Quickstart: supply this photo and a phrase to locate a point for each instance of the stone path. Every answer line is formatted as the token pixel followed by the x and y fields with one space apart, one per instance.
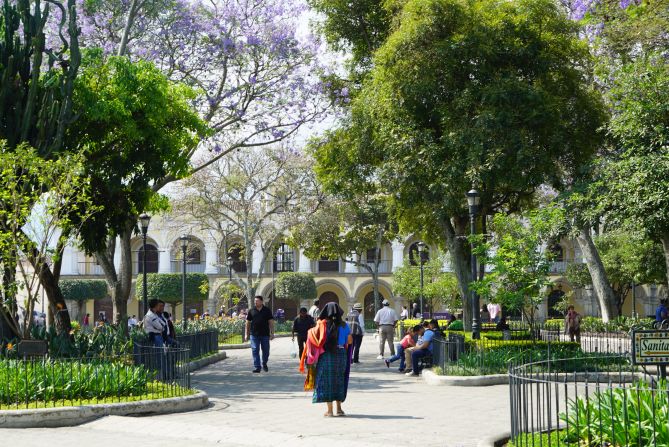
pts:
pixel 270 409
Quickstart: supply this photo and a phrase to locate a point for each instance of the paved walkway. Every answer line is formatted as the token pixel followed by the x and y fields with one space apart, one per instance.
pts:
pixel 270 409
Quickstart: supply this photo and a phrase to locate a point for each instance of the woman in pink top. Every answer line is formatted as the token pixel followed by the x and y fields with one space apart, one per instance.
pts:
pixel 406 342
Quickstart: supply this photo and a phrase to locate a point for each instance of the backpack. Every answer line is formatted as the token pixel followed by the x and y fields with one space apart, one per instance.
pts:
pixel 354 323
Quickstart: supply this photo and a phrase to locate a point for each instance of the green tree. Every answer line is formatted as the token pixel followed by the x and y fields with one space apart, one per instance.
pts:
pixel 439 288
pixel 38 197
pixel 636 177
pixel 36 104
pixel 518 259
pixel 168 287
pixel 82 290
pixel 494 94
pixel 136 128
pixel 296 286
pixel 349 229
pixel 628 258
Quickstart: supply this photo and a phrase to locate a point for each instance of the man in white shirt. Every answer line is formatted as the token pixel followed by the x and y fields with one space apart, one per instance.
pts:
pixel 155 325
pixel 404 314
pixel 315 311
pixel 386 319
pixel 495 311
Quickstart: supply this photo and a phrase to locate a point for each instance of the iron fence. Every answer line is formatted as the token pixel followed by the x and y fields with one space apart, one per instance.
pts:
pixel 200 343
pixel 596 401
pixel 456 354
pixel 147 373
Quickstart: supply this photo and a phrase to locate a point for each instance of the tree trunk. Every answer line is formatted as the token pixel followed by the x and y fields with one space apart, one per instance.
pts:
pixel 600 282
pixel 665 246
pixel 130 20
pixel 57 303
pixel 456 243
pixel 120 282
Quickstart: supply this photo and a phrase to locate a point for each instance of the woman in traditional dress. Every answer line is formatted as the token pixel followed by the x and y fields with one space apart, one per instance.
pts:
pixel 333 365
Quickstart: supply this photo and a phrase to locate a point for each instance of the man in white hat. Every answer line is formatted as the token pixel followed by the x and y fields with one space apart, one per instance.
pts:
pixel 386 319
pixel 357 325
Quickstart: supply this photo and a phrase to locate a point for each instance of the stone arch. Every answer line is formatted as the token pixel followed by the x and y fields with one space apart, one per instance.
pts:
pixel 330 287
pixel 195 255
pixel 152 258
pixel 364 295
pixel 229 304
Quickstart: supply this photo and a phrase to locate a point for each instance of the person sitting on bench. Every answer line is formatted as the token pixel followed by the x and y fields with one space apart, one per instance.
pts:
pixel 423 348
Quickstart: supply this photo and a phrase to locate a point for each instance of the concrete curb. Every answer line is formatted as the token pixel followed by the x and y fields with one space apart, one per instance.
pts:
pixel 436 380
pixel 70 416
pixel 206 361
pixel 494 441
pixel 241 346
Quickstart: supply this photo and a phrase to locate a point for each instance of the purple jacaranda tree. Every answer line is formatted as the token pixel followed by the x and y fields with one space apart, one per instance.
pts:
pixel 257 76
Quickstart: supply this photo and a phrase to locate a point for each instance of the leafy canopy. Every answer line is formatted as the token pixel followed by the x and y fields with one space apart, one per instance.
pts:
pixel 136 128
pixel 297 286
pixel 83 289
pixel 167 287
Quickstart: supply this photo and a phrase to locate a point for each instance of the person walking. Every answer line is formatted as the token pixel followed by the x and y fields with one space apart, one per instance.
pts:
pixel 314 310
pixel 301 326
pixel 333 336
pixel 572 324
pixel 357 325
pixel 260 330
pixel 386 319
pixel 415 312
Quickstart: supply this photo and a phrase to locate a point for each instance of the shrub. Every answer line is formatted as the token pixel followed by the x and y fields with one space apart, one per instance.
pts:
pixel 45 381
pixel 167 287
pixel 595 324
pixel 296 286
pixel 83 289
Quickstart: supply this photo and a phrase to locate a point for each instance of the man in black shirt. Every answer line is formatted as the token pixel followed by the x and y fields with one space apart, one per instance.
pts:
pixel 260 330
pixel 301 325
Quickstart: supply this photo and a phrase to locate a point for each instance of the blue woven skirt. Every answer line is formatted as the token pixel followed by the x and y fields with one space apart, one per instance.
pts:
pixel 331 377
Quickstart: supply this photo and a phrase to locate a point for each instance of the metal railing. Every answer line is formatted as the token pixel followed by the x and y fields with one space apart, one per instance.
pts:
pixel 89 268
pixel 385 266
pixel 48 382
pixel 596 401
pixel 177 267
pixel 456 354
pixel 333 266
pixel 199 343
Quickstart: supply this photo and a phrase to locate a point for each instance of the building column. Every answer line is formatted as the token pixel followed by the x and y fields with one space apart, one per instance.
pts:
pixel 398 254
pixel 350 267
pixel 210 258
pixel 257 257
pixel 69 264
pixel 164 261
pixel 304 263
pixel 117 256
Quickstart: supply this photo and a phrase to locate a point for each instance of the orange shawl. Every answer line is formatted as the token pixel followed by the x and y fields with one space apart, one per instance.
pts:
pixel 315 342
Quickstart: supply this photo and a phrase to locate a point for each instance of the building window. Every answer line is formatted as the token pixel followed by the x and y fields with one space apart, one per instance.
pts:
pixel 558 252
pixel 193 255
pixel 284 259
pixel 328 265
pixel 151 259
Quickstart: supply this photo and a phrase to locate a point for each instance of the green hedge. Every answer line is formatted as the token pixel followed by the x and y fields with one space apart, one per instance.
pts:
pixel 83 289
pixel 167 287
pixel 595 324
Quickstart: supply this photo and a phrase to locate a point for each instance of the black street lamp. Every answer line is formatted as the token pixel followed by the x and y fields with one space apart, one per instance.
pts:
pixel 230 263
pixel 422 255
pixel 184 240
pixel 474 201
pixel 144 220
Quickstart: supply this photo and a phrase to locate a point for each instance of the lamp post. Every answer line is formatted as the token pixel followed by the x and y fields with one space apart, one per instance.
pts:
pixel 421 255
pixel 144 220
pixel 230 261
pixel 183 240
pixel 634 314
pixel 474 200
